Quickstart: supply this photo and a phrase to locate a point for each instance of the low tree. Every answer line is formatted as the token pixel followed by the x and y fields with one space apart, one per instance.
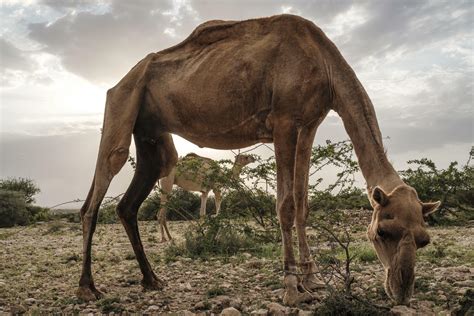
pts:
pixel 13 209
pixel 24 185
pixel 453 186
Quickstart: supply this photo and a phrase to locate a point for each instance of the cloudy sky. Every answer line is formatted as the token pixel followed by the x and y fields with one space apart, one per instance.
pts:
pixel 58 58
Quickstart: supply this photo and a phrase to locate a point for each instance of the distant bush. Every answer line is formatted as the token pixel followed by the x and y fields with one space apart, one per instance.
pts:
pixel 38 213
pixel 26 186
pixel 149 208
pixel 13 209
pixel 349 198
pixel 453 186
pixel 183 205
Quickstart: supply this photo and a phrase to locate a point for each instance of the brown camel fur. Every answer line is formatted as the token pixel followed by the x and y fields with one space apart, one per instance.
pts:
pixel 232 84
pixel 198 174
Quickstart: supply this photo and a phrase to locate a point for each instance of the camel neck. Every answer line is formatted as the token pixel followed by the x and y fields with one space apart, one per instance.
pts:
pixel 355 108
pixel 236 169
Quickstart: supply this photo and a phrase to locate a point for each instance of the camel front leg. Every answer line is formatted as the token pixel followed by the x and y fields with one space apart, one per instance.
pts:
pixel 166 185
pixel 285 149
pixel 303 155
pixel 87 290
pixel 218 200
pixel 202 211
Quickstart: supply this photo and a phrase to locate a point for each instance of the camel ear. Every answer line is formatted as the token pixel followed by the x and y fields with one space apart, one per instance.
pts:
pixel 430 207
pixel 379 196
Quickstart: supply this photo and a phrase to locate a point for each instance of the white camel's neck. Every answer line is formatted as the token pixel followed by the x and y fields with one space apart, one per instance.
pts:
pixel 236 170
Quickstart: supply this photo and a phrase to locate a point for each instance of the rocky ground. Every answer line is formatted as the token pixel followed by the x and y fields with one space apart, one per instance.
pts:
pixel 40 267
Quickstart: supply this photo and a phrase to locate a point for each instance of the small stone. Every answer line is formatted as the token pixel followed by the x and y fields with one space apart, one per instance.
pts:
pixel 304 313
pixel 402 310
pixel 186 313
pixel 200 305
pixel 17 309
pixel 152 308
pixel 30 301
pixel 222 301
pixel 275 309
pixel 230 311
pixel 236 303
pixel 259 312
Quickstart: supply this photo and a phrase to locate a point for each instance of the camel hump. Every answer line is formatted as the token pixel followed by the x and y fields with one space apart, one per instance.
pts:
pixel 192 155
pixel 216 30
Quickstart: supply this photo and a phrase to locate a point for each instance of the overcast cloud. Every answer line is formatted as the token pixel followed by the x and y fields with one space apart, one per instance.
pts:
pixel 415 58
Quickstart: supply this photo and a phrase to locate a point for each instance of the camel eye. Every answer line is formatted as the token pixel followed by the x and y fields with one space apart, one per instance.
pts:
pixel 382 233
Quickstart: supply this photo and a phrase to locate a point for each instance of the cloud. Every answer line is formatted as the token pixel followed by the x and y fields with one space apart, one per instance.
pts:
pixel 103 47
pixel 12 58
pixel 399 27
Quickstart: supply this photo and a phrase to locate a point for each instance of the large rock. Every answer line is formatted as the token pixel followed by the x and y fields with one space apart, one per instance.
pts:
pixel 230 311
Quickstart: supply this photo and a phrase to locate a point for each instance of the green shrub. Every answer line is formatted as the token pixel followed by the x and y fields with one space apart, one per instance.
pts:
pixel 13 209
pixel 149 208
pixel 350 198
pixel 364 253
pixel 215 291
pixel 337 303
pixel 216 236
pixel 183 205
pixel 108 214
pixel 38 213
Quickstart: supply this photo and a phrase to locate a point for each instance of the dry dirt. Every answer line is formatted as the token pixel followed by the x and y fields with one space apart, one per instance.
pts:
pixel 40 267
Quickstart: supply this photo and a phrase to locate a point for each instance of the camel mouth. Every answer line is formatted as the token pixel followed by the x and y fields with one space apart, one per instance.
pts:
pixel 398 287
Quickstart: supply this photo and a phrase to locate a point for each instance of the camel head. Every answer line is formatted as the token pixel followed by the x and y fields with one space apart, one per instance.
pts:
pixel 397 230
pixel 243 159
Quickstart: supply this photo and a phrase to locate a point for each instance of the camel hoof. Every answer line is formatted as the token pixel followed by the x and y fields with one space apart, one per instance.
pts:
pixel 291 298
pixel 88 293
pixel 154 285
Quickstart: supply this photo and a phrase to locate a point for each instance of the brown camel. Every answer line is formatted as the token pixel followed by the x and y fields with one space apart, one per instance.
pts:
pixel 232 84
pixel 198 174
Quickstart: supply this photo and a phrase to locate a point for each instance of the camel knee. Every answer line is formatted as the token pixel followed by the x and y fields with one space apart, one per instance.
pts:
pixel 126 212
pixel 286 212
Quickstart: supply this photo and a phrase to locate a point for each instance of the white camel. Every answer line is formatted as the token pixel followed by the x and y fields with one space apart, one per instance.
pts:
pixel 197 174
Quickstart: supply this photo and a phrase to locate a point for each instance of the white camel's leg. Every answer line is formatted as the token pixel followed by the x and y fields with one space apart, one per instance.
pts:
pixel 285 138
pixel 166 185
pixel 303 156
pixel 165 225
pixel 202 211
pixel 218 200
pixel 153 159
